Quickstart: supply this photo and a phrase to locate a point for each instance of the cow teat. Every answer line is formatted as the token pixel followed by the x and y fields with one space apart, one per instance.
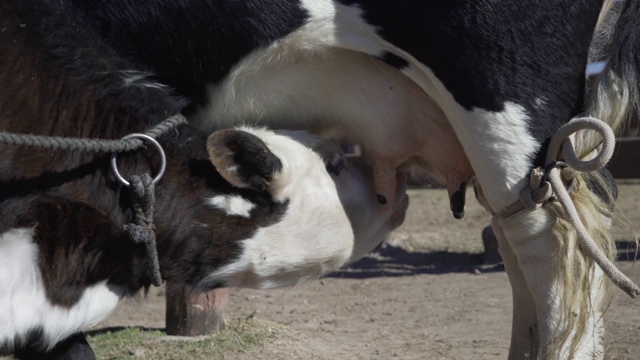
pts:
pixel 457 197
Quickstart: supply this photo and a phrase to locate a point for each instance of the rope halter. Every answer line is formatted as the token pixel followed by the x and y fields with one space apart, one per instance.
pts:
pixel 141 187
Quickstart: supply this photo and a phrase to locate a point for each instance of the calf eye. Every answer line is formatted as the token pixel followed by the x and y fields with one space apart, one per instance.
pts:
pixel 336 165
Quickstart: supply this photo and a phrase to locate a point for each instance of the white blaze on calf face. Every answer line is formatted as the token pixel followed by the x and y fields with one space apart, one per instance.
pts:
pixel 24 306
pixel 232 205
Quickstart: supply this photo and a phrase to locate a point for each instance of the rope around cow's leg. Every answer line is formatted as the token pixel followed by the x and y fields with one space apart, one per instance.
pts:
pixel 537 192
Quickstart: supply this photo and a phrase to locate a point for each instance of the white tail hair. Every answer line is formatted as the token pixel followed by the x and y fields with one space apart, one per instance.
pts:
pixel 614 97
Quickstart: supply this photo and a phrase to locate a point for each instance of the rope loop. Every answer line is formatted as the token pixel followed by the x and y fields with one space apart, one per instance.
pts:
pixel 156 145
pixel 547 185
pixel 561 140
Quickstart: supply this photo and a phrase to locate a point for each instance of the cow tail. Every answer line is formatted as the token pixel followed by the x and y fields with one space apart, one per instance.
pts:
pixel 615 94
pixel 614 97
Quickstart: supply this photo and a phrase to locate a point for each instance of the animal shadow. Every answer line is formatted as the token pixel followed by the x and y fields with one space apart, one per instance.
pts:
pixel 391 261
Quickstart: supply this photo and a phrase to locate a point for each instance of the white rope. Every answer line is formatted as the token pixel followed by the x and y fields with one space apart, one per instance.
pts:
pixel 562 148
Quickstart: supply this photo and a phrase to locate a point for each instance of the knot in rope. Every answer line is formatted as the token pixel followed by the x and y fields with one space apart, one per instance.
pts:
pixel 562 162
pixel 142 230
pixel 538 192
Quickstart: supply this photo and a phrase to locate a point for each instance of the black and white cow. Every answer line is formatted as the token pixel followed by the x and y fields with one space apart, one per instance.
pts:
pixel 462 90
pixel 242 207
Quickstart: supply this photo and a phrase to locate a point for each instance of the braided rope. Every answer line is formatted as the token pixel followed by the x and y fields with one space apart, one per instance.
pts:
pixel 89 145
pixel 142 230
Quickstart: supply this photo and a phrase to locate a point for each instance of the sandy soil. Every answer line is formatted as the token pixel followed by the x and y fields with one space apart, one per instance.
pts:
pixel 421 296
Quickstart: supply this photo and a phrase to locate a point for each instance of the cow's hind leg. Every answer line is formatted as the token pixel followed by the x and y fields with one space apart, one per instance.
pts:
pixel 524 337
pixel 558 293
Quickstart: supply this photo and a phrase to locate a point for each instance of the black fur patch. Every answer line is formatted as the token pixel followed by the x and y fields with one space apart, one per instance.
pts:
pixel 254 163
pixel 490 52
pixel 189 43
pixel 486 53
pixel 75 347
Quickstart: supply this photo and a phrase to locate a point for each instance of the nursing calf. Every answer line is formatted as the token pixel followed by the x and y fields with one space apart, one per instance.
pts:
pixel 240 207
pixel 464 91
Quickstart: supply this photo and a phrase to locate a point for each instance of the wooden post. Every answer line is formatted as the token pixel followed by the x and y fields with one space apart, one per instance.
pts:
pixel 194 314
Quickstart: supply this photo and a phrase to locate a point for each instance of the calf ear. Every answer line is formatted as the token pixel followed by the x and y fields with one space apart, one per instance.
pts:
pixel 242 159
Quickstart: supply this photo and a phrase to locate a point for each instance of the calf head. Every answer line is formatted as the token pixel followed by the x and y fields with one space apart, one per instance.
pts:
pixel 354 182
pixel 319 214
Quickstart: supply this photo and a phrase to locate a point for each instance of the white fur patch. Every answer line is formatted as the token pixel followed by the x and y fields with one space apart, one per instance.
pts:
pixel 24 306
pixel 500 150
pixel 232 205
pixel 497 144
pixel 304 244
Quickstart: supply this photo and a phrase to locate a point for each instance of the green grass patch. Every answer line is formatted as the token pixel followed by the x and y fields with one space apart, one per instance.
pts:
pixel 239 336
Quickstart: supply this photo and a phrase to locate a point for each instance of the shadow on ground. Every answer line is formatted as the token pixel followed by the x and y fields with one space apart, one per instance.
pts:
pixel 390 261
pixel 117 329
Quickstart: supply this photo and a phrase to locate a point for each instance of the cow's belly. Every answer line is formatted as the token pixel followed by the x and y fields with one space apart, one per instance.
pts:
pixel 25 311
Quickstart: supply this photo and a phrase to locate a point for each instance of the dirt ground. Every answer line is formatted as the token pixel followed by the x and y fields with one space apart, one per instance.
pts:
pixel 421 296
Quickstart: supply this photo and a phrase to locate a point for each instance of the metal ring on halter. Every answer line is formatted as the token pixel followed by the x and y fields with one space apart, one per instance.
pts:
pixel 154 142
